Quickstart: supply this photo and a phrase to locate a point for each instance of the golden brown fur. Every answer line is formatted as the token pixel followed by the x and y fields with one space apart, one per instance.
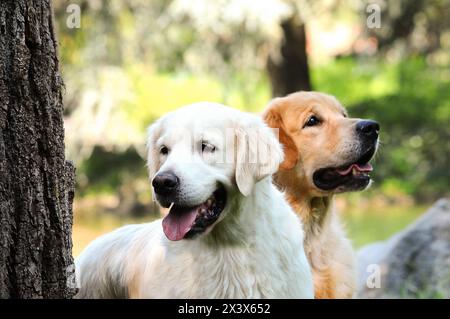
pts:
pixel 329 251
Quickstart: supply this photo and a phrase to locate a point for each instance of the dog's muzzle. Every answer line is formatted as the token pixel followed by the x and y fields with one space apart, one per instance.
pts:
pixel 354 174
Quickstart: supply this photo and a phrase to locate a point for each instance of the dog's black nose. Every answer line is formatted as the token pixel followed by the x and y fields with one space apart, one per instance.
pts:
pixel 165 183
pixel 368 128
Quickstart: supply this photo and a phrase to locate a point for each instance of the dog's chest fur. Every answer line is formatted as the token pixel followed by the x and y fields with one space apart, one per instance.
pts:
pixel 229 272
pixel 255 253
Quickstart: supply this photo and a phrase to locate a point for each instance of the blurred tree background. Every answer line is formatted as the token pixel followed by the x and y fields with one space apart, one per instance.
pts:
pixel 132 61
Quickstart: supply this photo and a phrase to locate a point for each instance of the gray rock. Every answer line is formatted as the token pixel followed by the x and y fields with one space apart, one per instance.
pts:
pixel 414 263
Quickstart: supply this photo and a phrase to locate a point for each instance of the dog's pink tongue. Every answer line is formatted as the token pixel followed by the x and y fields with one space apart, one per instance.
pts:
pixel 362 168
pixel 178 222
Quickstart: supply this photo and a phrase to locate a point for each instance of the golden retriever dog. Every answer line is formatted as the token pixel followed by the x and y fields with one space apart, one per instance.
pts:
pixel 229 232
pixel 326 153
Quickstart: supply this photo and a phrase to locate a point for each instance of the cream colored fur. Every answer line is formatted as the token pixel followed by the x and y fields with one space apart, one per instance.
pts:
pixel 254 250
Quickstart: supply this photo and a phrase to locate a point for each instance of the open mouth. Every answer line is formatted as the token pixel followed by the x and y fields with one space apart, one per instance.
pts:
pixel 348 177
pixel 186 222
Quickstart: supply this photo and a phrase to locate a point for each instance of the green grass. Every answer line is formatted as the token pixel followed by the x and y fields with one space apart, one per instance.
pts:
pixel 372 224
pixel 92 218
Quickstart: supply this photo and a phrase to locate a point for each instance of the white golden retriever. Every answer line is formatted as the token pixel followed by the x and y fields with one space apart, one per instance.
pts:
pixel 229 232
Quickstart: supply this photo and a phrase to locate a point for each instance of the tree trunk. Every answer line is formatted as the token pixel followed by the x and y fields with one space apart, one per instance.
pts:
pixel 288 66
pixel 36 183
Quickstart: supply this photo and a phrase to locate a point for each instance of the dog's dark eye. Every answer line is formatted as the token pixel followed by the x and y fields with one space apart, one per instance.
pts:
pixel 164 150
pixel 206 147
pixel 312 121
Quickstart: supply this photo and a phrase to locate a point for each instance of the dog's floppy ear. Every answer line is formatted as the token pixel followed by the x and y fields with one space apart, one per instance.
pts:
pixel 273 119
pixel 258 154
pixel 153 133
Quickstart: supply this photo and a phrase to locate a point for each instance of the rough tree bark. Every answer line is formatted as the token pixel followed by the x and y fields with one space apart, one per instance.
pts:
pixel 36 182
pixel 288 66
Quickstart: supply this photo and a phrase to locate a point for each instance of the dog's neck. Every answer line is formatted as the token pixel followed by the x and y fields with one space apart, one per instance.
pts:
pixel 243 214
pixel 314 210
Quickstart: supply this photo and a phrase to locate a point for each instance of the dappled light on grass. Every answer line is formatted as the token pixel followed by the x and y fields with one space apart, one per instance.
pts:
pixel 379 224
pixel 96 216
